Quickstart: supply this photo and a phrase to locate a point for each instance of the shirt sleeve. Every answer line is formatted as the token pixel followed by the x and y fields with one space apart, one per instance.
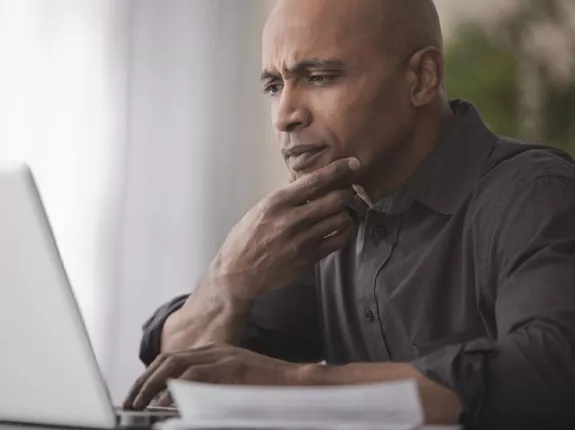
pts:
pixel 152 329
pixel 284 324
pixel 525 376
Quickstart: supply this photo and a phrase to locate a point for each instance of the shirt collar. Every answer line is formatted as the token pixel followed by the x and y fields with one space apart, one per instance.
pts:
pixel 446 177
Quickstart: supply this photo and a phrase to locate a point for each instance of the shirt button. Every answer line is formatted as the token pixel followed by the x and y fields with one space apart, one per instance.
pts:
pixel 378 232
pixel 368 315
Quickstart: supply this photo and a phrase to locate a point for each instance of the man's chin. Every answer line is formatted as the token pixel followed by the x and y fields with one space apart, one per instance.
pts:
pixel 297 174
pixel 306 172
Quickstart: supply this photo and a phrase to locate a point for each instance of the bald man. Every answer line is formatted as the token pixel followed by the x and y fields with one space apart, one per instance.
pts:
pixel 412 242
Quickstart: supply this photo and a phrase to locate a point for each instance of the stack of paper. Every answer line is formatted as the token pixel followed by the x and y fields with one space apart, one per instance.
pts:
pixel 383 406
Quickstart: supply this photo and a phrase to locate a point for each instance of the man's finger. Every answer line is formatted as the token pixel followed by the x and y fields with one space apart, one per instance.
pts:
pixel 324 207
pixel 335 242
pixel 317 234
pixel 339 174
pixel 137 386
pixel 165 399
pixel 171 368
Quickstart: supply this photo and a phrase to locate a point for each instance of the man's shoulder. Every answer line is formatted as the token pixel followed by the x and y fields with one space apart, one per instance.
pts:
pixel 517 174
pixel 511 156
pixel 514 165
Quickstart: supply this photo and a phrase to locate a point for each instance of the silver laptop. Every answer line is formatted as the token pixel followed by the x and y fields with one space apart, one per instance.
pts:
pixel 48 371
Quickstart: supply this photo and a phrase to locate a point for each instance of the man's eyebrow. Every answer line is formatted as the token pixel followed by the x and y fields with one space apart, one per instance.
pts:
pixel 267 75
pixel 300 66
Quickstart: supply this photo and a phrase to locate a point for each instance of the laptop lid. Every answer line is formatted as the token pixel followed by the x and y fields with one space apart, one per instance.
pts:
pixel 48 371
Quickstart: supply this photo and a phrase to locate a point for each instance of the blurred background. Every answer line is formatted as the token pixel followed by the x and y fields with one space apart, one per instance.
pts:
pixel 149 136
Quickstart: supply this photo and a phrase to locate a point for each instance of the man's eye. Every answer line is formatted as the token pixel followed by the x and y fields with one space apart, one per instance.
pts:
pixel 273 89
pixel 320 79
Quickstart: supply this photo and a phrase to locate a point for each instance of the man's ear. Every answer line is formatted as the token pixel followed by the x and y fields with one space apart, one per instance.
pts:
pixel 426 73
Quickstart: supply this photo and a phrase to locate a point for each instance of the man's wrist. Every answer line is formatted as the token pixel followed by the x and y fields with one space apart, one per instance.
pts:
pixel 235 289
pixel 210 315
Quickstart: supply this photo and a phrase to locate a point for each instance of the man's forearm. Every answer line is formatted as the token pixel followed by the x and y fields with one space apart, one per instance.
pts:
pixel 208 316
pixel 441 405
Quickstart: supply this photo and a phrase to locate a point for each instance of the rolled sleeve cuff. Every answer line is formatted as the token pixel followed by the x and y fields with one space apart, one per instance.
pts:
pixel 464 369
pixel 152 329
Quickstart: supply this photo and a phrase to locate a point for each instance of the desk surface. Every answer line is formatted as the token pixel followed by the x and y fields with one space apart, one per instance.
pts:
pixel 8 426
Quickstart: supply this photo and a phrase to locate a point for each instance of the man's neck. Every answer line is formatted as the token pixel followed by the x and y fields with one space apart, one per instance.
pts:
pixel 395 170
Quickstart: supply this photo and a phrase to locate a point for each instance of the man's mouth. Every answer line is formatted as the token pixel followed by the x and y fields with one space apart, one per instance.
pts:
pixel 303 157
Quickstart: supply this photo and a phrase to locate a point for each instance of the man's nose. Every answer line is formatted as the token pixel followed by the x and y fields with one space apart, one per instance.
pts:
pixel 291 112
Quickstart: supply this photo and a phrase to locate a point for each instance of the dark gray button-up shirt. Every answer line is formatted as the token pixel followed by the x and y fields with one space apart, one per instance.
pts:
pixel 468 272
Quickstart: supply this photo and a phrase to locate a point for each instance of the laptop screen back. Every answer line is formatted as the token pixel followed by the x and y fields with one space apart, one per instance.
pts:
pixel 48 372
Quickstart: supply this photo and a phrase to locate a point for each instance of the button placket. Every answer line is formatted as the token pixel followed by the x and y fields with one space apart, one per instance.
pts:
pixel 382 234
pixel 375 252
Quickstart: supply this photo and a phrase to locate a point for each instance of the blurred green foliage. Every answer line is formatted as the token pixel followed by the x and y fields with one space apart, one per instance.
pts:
pixel 483 65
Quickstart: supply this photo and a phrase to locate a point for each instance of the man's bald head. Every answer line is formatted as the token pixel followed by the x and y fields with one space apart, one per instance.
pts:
pixel 398 27
pixel 406 25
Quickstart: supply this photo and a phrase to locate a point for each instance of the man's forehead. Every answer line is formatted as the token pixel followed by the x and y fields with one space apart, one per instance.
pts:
pixel 302 29
pixel 314 12
pixel 289 55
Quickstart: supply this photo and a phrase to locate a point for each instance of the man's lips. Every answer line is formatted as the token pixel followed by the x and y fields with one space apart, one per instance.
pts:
pixel 302 157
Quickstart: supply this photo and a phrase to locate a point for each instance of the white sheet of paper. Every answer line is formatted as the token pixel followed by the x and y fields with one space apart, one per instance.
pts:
pixel 176 424
pixel 391 405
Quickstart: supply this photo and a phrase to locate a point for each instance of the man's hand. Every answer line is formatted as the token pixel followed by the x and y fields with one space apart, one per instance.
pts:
pixel 225 364
pixel 273 245
pixel 287 232
pixel 216 363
